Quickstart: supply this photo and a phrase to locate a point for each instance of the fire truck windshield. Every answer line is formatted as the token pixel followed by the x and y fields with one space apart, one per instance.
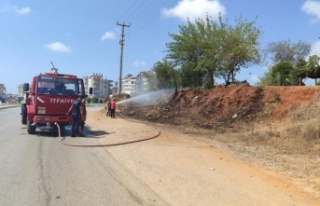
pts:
pixel 59 86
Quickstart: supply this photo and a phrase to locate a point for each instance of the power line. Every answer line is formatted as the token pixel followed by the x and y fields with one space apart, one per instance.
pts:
pixel 139 13
pixel 129 9
pixel 145 15
pixel 149 14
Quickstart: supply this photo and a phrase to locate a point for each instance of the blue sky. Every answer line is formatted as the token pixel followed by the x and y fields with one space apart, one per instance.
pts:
pixel 82 37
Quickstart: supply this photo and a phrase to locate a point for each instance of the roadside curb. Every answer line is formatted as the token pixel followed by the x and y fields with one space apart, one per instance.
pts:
pixel 8 106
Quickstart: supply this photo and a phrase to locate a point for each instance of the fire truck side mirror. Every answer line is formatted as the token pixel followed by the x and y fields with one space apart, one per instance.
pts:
pixel 90 90
pixel 25 87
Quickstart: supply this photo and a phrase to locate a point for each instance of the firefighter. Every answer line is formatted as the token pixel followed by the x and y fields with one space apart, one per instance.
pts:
pixel 60 88
pixel 76 116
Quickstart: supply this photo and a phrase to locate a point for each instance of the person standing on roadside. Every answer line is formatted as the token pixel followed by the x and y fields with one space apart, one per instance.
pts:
pixel 108 108
pixel 113 108
pixel 75 110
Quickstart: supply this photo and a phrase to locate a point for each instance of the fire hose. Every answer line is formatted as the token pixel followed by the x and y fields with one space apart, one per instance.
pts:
pixel 103 145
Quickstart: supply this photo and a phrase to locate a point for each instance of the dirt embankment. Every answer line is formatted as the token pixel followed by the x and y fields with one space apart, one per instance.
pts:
pixel 274 127
pixel 226 106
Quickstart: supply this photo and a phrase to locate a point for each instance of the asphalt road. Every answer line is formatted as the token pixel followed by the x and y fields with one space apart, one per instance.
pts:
pixel 39 170
pixel 172 169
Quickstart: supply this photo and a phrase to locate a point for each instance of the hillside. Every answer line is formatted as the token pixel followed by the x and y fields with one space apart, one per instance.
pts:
pixel 273 127
pixel 227 106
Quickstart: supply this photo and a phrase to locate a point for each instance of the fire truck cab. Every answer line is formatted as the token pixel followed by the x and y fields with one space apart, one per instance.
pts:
pixel 49 98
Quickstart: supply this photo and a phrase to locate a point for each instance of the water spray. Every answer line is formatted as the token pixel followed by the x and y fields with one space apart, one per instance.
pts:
pixel 151 98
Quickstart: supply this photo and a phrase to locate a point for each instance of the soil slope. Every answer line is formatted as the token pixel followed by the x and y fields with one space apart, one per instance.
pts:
pixel 226 106
pixel 273 127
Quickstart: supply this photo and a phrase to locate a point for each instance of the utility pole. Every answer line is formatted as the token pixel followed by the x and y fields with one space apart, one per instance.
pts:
pixel 121 42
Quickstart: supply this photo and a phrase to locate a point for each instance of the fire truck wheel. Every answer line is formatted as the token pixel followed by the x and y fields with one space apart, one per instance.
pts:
pixel 31 128
pixel 23 114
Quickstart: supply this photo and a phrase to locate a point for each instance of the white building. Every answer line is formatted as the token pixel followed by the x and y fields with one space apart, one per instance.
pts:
pixel 128 85
pixel 146 82
pixel 142 83
pixel 101 87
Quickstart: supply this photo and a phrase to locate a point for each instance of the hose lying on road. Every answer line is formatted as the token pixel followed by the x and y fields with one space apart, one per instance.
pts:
pixel 103 145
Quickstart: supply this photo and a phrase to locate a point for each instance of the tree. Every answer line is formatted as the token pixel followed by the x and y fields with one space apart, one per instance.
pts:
pixel 152 81
pixel 279 75
pixel 310 69
pixel 287 73
pixel 166 75
pixel 267 79
pixel 207 49
pixel 282 54
pixel 283 74
pixel 189 77
pixel 300 68
pixel 239 47
pixel 287 51
pixel 312 64
pixel 185 51
pixel 210 37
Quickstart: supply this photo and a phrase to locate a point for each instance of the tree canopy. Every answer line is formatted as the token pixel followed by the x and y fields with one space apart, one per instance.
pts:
pixel 206 49
pixel 287 51
pixel 290 63
pixel 166 75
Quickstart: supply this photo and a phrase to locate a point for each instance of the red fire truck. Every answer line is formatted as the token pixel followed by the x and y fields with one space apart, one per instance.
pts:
pixel 48 99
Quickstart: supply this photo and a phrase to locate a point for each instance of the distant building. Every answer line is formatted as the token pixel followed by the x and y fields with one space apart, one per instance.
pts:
pixel 20 90
pixel 143 83
pixel 129 85
pixel 101 87
pixel 114 89
pixel 2 90
pixel 146 82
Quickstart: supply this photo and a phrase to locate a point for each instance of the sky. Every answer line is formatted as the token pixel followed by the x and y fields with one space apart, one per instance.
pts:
pixel 82 37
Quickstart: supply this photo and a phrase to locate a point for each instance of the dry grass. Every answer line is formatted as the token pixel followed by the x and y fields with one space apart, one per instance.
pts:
pixel 275 127
pixel 291 148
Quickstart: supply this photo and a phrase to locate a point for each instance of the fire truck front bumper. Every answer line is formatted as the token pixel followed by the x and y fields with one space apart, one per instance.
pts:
pixel 50 120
